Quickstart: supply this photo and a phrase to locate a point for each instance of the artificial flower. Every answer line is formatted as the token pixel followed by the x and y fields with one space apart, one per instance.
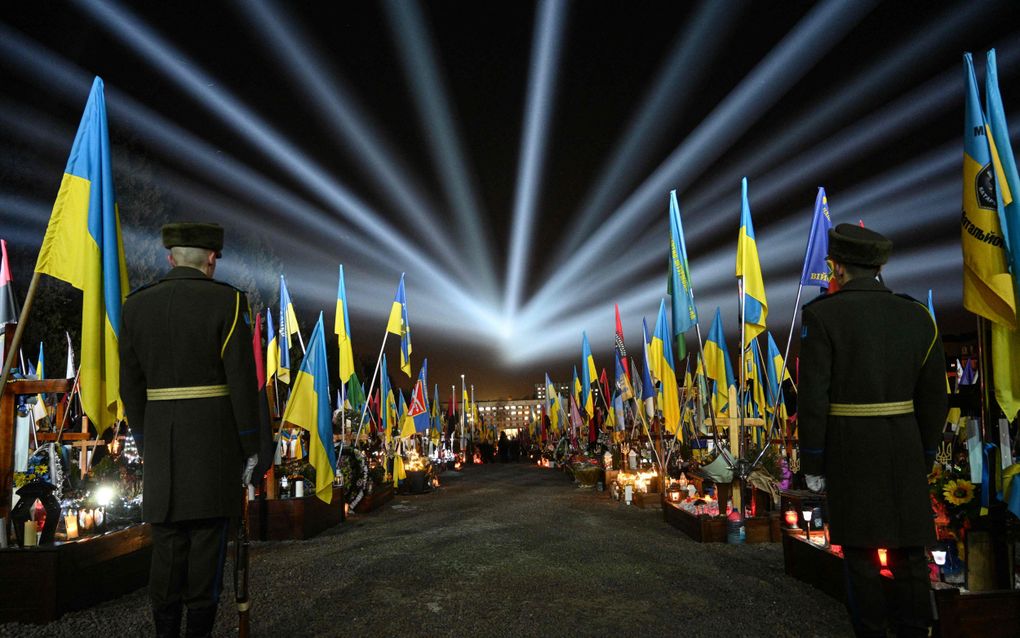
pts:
pixel 959 492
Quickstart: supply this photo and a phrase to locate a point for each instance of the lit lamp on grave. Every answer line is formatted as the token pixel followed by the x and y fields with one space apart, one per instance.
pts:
pixel 939 556
pixel 674 493
pixel 791 518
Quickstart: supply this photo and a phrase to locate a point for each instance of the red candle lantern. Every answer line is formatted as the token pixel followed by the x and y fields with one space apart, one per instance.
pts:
pixel 790 517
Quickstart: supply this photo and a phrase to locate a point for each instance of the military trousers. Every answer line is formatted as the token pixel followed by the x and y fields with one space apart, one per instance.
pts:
pixel 909 608
pixel 187 563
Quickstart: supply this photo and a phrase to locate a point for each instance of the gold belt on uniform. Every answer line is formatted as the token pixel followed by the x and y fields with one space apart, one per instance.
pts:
pixel 893 408
pixel 187 392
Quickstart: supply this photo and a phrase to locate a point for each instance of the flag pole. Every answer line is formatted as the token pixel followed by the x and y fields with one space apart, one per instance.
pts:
pixel 782 373
pixel 371 387
pixel 15 346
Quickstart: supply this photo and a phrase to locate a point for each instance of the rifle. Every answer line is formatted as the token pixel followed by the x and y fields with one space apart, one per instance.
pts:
pixel 241 545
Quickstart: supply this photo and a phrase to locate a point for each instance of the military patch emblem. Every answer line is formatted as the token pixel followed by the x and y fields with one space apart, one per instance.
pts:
pixel 985 188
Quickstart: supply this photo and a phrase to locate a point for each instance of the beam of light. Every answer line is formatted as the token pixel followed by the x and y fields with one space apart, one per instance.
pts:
pixel 897 119
pixel 843 104
pixel 176 67
pixel 545 52
pixel 414 43
pixel 935 98
pixel 37 62
pixel 785 64
pixel 688 62
pixel 326 92
pixel 881 201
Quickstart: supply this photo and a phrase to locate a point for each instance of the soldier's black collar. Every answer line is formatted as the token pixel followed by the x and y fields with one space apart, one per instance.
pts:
pixel 184 272
pixel 864 283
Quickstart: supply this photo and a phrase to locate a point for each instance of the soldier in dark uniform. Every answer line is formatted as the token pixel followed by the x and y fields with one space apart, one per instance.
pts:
pixel 872 405
pixel 189 387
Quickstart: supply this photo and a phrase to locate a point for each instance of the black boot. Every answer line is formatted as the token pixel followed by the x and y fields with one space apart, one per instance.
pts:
pixel 167 620
pixel 200 622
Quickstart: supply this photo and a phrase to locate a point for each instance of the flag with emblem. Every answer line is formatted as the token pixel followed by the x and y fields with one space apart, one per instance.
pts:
pixel 288 327
pixel 419 408
pixel 1005 341
pixel 589 375
pixel 816 271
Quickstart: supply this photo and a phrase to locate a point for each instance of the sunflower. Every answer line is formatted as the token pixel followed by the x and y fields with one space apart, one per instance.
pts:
pixel 959 492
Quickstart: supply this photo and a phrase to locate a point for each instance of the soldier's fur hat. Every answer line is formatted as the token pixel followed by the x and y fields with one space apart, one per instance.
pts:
pixel 852 244
pixel 194 234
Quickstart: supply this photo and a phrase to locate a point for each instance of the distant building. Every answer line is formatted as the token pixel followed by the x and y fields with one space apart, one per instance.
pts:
pixel 563 389
pixel 509 414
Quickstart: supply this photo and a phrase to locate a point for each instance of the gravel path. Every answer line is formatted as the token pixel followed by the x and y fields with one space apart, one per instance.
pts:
pixel 503 550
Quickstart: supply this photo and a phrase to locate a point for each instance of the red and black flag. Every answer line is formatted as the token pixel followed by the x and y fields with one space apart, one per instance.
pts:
pixel 619 342
pixel 8 304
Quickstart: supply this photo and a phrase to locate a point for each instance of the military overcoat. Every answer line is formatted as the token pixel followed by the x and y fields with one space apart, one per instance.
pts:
pixel 863 346
pixel 190 331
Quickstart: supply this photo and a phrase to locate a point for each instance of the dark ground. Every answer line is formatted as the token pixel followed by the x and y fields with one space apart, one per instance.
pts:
pixel 502 550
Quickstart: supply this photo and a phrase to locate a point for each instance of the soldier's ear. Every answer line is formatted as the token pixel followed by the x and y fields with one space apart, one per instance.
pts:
pixel 170 260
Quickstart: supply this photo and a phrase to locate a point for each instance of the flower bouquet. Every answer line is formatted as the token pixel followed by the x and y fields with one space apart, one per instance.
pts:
pixel 954 503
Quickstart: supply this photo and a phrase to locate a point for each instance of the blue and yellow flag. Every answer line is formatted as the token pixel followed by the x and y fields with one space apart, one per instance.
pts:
pixel 576 386
pixel 661 353
pixel 773 369
pixel 342 329
pixel 398 325
pixel 681 293
pixel 756 308
pixel 272 348
pixel 554 404
pixel 816 271
pixel 623 386
pixel 308 409
pixel 718 368
pixel 588 374
pixel 1005 341
pixel 288 326
pixel 988 287
pixel 83 247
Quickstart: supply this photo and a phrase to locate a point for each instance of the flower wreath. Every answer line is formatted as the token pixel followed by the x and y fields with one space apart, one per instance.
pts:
pixel 354 470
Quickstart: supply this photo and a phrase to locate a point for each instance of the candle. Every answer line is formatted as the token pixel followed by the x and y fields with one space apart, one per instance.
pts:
pixel 628 493
pixel 251 492
pixel 299 488
pixel 71 523
pixel 31 535
pixel 85 520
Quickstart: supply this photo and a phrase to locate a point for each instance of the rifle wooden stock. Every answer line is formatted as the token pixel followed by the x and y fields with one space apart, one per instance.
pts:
pixel 241 568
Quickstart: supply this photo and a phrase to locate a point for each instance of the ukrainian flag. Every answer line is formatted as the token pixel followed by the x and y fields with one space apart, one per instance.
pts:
pixel 552 398
pixel 83 247
pixel 661 352
pixel 988 287
pixel 717 365
pixel 309 410
pixel 588 374
pixel 1005 341
pixel 774 368
pixel 576 385
pixel 342 329
pixel 398 325
pixel 681 293
pixel 288 326
pixel 272 348
pixel 756 308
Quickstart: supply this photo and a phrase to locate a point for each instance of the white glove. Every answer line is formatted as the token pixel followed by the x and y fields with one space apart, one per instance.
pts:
pixel 815 482
pixel 249 468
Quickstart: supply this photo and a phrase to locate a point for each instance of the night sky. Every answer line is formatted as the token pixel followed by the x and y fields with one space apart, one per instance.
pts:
pixel 514 159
